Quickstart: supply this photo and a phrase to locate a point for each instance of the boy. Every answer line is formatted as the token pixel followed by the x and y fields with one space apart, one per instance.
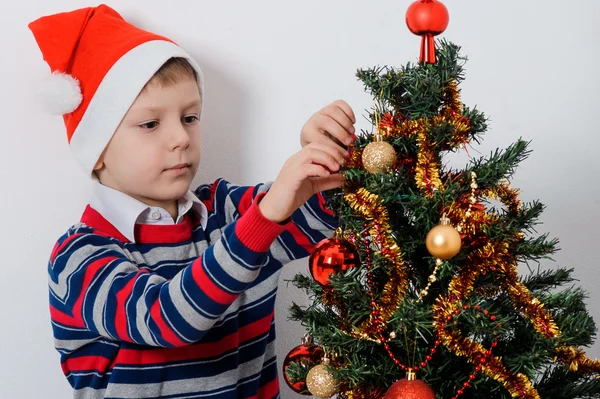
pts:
pixel 160 291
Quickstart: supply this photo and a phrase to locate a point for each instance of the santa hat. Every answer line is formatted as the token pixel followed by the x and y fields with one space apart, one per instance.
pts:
pixel 99 65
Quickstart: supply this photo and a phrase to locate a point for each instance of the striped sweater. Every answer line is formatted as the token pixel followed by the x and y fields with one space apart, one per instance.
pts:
pixel 184 312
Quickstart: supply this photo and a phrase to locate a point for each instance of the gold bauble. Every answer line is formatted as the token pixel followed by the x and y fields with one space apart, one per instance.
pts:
pixel 321 383
pixel 443 241
pixel 378 156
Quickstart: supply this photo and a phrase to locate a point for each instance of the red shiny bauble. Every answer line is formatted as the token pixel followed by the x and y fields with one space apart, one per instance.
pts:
pixel 427 18
pixel 332 255
pixel 409 389
pixel 310 353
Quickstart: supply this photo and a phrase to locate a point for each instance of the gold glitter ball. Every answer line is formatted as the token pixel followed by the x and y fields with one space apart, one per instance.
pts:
pixel 321 383
pixel 378 156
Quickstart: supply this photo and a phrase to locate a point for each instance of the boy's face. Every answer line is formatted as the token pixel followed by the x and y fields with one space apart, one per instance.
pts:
pixel 154 153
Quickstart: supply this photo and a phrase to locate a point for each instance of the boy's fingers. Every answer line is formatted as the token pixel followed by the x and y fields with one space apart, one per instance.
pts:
pixel 327 183
pixel 315 170
pixel 346 108
pixel 321 157
pixel 332 126
pixel 338 153
pixel 340 116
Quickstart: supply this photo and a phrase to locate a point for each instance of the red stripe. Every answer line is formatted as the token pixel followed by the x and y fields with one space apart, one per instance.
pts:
pixel 58 248
pixel 268 391
pixel 300 238
pixel 164 234
pixel 246 200
pixel 209 287
pixel 85 363
pixel 90 273
pixel 76 320
pixel 196 351
pixel 121 323
pixel 253 330
pixel 65 319
pixel 211 199
pixel 256 232
pixel 165 331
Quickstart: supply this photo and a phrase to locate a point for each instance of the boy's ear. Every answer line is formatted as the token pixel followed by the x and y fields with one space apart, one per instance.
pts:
pixel 99 163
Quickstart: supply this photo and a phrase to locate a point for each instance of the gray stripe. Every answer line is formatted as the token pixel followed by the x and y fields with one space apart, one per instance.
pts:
pixel 142 313
pixel 88 393
pixel 229 207
pixel 104 291
pixel 278 250
pixel 176 253
pixel 312 222
pixel 75 263
pixel 233 265
pixel 192 385
pixel 185 309
pixel 74 344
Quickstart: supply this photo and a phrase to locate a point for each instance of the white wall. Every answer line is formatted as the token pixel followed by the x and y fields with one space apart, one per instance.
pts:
pixel 269 65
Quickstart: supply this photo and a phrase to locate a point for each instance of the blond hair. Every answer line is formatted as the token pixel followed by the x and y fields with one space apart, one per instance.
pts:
pixel 173 71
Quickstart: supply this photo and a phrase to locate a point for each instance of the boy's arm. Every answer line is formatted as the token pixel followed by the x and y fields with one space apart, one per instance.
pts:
pixel 312 222
pixel 95 287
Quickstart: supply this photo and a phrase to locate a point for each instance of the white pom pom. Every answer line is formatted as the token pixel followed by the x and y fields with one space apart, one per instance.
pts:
pixel 60 94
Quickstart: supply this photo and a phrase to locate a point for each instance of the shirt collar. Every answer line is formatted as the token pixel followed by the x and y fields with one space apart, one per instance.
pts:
pixel 123 211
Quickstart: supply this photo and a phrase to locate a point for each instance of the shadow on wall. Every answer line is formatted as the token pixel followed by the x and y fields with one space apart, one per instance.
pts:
pixel 222 121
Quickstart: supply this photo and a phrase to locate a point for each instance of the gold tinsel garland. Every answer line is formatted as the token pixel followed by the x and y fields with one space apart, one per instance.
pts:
pixel 488 256
pixel 428 165
pixel 427 173
pixel 576 360
pixel 427 169
pixel 360 392
pixel 496 257
pixel 369 207
pixel 517 384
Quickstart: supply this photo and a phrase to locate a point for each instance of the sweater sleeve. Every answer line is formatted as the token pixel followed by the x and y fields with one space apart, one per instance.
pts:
pixel 95 287
pixel 311 223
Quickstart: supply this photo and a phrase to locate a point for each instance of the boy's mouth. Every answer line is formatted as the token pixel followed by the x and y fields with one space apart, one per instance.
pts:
pixel 178 169
pixel 179 166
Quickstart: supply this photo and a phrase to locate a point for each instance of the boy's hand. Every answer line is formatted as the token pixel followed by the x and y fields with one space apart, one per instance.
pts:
pixel 334 122
pixel 305 173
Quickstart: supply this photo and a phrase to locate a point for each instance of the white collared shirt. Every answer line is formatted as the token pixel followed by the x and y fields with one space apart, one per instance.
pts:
pixel 124 211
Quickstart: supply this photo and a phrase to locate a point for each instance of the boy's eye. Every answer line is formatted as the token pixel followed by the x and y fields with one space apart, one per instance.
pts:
pixel 190 119
pixel 149 125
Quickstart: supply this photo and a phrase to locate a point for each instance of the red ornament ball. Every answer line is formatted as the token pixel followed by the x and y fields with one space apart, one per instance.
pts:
pixel 311 353
pixel 409 389
pixel 427 17
pixel 332 255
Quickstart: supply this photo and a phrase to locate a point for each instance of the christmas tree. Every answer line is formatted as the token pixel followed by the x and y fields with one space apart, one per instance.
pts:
pixel 418 294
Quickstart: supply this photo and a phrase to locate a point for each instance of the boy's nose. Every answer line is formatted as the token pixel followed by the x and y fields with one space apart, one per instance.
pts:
pixel 179 137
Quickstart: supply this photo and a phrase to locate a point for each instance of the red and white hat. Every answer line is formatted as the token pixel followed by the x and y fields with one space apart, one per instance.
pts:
pixel 99 65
